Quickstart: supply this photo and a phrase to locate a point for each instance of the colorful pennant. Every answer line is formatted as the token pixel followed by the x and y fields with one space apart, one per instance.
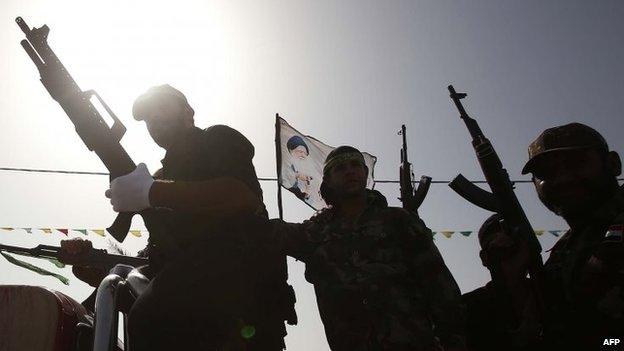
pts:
pixel 555 232
pixel 139 233
pixel 447 233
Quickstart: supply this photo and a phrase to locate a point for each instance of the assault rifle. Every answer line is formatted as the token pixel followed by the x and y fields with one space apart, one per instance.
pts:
pixel 502 199
pixel 89 124
pixel 93 258
pixel 410 198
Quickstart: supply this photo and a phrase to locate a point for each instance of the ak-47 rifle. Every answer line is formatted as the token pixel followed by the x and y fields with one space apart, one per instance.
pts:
pixel 502 199
pixel 89 124
pixel 93 258
pixel 410 198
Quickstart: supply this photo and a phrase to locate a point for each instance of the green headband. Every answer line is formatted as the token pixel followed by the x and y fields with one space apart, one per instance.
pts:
pixel 340 158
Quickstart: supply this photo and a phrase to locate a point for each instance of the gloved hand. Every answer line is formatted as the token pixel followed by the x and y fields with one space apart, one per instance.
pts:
pixel 130 193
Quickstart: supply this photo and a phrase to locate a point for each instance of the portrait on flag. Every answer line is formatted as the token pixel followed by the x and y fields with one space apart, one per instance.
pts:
pixel 301 167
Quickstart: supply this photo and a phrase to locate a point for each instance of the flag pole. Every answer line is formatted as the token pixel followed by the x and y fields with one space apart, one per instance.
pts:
pixel 278 158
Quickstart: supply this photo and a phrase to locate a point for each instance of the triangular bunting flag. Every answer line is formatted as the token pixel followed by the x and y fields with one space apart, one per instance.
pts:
pixel 7 228
pixel 447 233
pixel 554 232
pixel 99 232
pixel 64 231
pixel 539 232
pixel 46 230
pixel 466 233
pixel 28 230
pixel 136 233
pixel 81 231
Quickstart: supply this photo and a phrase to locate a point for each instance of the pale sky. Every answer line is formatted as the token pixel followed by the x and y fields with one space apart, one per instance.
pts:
pixel 346 72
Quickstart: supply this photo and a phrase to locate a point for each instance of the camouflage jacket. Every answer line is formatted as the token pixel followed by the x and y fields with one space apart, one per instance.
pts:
pixel 587 301
pixel 380 282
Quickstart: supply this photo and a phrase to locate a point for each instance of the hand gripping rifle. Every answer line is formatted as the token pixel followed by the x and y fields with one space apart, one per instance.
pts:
pixel 502 199
pixel 93 258
pixel 410 198
pixel 90 125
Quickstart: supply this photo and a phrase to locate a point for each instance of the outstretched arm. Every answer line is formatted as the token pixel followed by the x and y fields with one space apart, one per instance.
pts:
pixel 214 197
pixel 441 290
pixel 218 196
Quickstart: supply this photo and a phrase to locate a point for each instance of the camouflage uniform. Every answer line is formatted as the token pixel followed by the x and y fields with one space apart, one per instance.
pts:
pixel 586 306
pixel 380 283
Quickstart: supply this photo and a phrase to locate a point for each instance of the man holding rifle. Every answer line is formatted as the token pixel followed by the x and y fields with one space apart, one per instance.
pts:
pixel 502 315
pixel 380 282
pixel 222 289
pixel 575 176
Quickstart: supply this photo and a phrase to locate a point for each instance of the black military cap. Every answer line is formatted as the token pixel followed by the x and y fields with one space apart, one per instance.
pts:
pixel 156 92
pixel 573 136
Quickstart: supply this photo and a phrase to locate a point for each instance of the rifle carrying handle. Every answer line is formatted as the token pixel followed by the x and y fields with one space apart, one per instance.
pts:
pixel 117 129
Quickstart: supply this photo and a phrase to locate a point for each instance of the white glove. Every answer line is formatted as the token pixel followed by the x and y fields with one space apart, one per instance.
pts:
pixel 130 193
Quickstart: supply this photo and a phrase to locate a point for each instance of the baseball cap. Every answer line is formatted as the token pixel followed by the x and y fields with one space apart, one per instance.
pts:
pixel 573 136
pixel 159 91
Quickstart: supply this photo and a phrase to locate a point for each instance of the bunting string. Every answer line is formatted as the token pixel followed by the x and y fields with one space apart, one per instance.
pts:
pixel 449 233
pixel 139 233
pixel 65 231
pixel 262 179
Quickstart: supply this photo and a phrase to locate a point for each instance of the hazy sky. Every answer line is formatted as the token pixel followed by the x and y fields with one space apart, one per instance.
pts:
pixel 346 72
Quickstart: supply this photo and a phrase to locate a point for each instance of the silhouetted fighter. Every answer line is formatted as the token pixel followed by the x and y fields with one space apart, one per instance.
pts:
pixel 575 176
pixel 222 288
pixel 380 282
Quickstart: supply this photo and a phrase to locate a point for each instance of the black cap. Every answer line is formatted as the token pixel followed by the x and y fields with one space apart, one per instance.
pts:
pixel 159 91
pixel 573 136
pixel 490 226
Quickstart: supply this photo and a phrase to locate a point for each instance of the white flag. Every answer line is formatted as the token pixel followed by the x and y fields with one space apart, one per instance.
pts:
pixel 302 163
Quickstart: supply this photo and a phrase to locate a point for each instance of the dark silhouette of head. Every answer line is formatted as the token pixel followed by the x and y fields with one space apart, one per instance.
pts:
pixel 344 175
pixel 573 170
pixel 166 112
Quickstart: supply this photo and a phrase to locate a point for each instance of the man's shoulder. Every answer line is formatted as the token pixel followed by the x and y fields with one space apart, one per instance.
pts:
pixel 391 213
pixel 404 225
pixel 226 137
pixel 404 217
pixel 478 296
pixel 223 131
